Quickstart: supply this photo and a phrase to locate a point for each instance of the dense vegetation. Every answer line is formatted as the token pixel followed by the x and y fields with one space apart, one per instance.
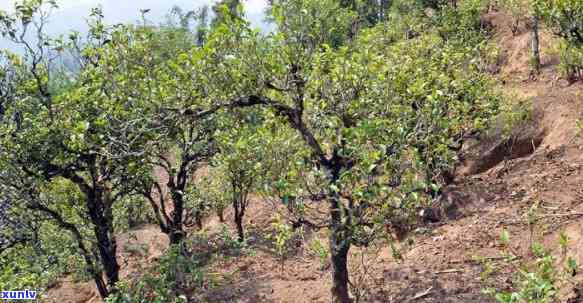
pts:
pixel 361 106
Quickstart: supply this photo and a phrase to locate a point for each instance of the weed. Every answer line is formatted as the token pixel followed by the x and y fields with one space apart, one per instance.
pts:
pixel 281 238
pixel 537 281
pixel 319 249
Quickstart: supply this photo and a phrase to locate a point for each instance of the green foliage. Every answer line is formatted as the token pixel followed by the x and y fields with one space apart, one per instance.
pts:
pixel 463 23
pixel 131 212
pixel 164 283
pixel 197 200
pixel 435 4
pixel 213 191
pixel 281 238
pixel 448 71
pixel 226 10
pixel 232 243
pixel 245 154
pixel 30 268
pixel 48 251
pixel 538 281
pixel 369 12
pixel 515 114
pixel 318 249
pixel 537 285
pixel 565 17
pixel 571 60
pixel 308 24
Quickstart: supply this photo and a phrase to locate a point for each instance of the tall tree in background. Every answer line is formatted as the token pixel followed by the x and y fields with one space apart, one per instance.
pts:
pixel 244 161
pixel 535 45
pixel 202 27
pixel 370 12
pixel 535 40
pixel 226 9
pixel 195 21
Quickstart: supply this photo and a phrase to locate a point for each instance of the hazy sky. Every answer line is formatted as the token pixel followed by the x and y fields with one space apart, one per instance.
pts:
pixel 72 14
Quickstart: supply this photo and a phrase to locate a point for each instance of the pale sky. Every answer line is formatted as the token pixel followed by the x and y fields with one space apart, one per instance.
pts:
pixel 72 14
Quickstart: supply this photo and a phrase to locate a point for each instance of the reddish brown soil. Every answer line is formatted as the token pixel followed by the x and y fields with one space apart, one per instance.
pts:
pixel 445 262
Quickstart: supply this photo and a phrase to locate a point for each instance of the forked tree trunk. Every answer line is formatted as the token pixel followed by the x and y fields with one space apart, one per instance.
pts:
pixel 99 198
pixel 171 225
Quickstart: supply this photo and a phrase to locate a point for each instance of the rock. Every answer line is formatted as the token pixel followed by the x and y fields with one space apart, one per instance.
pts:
pixel 445 207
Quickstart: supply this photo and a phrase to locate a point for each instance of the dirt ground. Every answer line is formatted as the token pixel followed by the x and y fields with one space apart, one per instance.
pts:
pixel 446 261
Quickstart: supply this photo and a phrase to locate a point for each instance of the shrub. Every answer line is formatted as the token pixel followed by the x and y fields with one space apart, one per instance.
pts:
pixel 463 23
pixel 170 281
pixel 283 234
pixel 537 281
pixel 565 17
pixel 571 66
pixel 319 249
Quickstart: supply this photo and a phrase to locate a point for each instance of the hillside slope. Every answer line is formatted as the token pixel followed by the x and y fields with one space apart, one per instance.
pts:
pixel 542 164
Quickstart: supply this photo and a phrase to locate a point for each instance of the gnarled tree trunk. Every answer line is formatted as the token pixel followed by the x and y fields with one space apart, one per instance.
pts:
pixel 340 240
pixel 100 212
pixel 339 248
